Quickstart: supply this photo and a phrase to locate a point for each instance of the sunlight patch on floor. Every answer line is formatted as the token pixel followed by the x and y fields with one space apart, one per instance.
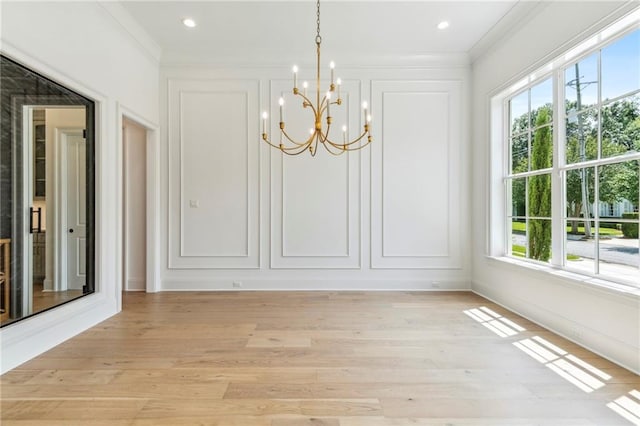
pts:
pixel 495 322
pixel 571 368
pixel 628 406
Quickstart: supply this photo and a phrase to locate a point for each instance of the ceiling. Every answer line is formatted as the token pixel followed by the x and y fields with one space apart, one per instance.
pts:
pixel 272 31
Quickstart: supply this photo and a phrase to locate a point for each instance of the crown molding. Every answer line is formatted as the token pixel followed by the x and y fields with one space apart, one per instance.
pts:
pixel 521 12
pixel 133 29
pixel 262 61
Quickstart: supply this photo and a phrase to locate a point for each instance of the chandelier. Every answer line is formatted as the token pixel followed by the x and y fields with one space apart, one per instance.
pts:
pixel 321 109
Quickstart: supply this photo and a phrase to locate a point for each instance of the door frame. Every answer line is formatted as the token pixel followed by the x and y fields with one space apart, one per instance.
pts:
pixel 153 238
pixel 21 235
pixel 60 172
pixel 27 202
pixel 55 200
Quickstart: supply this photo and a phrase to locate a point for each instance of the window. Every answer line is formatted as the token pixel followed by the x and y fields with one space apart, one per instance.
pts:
pixel 531 149
pixel 572 179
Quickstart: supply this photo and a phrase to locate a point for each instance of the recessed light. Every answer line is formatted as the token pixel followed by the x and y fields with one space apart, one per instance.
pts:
pixel 443 25
pixel 188 22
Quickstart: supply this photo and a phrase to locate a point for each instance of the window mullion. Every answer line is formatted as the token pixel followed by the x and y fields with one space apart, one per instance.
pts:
pixel 596 184
pixel 506 184
pixel 558 200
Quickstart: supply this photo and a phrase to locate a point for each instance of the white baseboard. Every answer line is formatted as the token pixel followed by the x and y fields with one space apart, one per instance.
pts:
pixel 136 284
pixel 614 350
pixel 26 339
pixel 47 284
pixel 204 284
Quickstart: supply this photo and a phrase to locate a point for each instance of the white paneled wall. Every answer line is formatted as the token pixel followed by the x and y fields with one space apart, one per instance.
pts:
pixel 242 215
pixel 213 196
pixel 416 180
pixel 315 201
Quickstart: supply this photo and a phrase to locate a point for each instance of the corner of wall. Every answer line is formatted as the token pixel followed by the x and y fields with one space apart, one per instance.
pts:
pixel 598 341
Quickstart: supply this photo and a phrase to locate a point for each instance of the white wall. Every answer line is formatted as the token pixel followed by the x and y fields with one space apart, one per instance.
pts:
pixel 135 206
pixel 606 321
pixel 391 216
pixel 80 45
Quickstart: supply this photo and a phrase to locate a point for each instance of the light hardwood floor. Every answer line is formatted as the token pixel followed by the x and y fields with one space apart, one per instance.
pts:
pixel 317 358
pixel 46 299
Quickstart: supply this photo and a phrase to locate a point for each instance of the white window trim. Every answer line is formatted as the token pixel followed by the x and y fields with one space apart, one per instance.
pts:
pixel 498 242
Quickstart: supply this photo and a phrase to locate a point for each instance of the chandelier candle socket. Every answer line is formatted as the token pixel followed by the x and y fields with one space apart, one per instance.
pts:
pixel 321 109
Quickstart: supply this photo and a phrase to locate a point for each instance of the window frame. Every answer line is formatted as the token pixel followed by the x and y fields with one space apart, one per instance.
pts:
pixel 510 176
pixel 501 207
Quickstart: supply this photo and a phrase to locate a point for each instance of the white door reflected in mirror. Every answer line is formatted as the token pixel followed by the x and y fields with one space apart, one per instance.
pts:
pixel 76 208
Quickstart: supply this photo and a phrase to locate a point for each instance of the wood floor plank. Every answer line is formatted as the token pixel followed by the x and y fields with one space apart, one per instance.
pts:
pixel 374 390
pixel 18 376
pixel 72 377
pixel 26 409
pixel 435 375
pixel 83 422
pixel 315 358
pixel 211 408
pixel 506 408
pixel 313 421
pixel 48 362
pixel 208 375
pixel 77 409
pixel 413 421
pixel 279 342
pixel 116 390
pixel 204 421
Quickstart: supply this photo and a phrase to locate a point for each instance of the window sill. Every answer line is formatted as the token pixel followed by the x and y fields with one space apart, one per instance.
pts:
pixel 571 278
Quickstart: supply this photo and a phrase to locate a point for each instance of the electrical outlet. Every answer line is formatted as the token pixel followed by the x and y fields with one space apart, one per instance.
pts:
pixel 237 284
pixel 194 204
pixel 435 284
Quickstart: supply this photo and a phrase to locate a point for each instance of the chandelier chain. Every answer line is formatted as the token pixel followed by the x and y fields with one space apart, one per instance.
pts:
pixel 318 37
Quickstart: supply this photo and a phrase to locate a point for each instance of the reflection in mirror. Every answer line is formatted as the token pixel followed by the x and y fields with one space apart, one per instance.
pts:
pixel 46 194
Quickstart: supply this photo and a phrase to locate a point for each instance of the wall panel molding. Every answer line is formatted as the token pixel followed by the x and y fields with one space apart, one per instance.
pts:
pixel 315 201
pixel 416 187
pixel 321 218
pixel 213 173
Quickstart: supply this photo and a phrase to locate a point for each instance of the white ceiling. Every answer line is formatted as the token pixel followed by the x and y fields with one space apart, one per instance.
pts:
pixel 272 31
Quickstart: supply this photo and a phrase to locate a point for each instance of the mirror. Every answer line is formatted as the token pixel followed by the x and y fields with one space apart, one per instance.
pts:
pixel 47 220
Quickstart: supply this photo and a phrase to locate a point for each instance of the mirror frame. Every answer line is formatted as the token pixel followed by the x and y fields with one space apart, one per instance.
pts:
pixel 18 104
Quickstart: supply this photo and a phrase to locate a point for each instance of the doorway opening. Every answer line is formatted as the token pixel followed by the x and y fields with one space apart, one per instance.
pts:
pixel 134 206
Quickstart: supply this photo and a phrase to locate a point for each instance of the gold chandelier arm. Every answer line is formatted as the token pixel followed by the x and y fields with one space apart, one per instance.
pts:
pixel 355 141
pixel 347 147
pixel 340 150
pixel 300 147
pixel 325 136
pixel 323 105
pixel 264 138
pixel 307 142
pixel 300 150
pixel 307 101
pixel 359 147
